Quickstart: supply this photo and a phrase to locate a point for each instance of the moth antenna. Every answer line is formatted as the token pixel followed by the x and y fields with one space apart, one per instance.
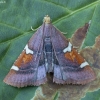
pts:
pixel 64 32
pixel 34 29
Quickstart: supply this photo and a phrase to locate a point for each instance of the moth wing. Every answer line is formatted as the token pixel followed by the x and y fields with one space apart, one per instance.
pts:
pixel 29 68
pixel 70 66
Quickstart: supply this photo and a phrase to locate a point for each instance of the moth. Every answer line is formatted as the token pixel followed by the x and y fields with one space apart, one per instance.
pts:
pixel 49 51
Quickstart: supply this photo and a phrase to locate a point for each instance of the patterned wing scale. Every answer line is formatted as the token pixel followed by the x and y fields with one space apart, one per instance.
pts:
pixel 71 66
pixel 28 69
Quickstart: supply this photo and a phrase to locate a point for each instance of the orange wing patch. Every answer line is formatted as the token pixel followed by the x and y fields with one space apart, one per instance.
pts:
pixel 23 59
pixel 74 56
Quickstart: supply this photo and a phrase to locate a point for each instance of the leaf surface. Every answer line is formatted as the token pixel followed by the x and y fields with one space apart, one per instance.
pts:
pixel 16 19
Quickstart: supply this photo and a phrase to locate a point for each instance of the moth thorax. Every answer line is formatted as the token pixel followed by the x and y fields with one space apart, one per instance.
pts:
pixel 46 19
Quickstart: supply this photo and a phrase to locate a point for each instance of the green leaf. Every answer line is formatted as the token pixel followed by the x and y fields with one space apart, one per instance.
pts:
pixel 92 96
pixel 16 19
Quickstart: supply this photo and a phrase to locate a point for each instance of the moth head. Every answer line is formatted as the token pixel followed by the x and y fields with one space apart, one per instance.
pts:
pixel 46 19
